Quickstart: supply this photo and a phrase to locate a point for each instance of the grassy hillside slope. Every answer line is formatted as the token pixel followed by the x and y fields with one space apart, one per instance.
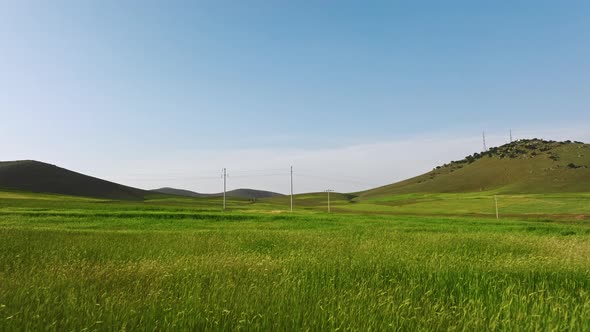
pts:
pixel 524 166
pixel 34 176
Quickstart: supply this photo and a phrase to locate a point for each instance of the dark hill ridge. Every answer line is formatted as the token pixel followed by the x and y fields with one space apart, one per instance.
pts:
pixel 39 177
pixel 523 166
pixel 178 192
pixel 35 176
pixel 237 193
pixel 252 193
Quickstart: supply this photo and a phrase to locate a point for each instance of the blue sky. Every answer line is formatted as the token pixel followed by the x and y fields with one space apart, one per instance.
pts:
pixel 138 91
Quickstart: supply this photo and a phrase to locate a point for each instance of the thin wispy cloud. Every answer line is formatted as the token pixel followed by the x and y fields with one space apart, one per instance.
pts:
pixel 345 169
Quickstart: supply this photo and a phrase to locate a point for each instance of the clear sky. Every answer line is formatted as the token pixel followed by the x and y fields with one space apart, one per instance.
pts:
pixel 351 93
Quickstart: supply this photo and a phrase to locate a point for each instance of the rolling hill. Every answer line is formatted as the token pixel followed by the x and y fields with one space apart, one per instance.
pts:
pixel 39 177
pixel 237 193
pixel 521 167
pixel 178 192
pixel 531 166
pixel 35 176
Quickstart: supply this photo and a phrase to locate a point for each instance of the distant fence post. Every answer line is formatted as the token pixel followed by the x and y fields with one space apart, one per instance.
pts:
pixel 496 200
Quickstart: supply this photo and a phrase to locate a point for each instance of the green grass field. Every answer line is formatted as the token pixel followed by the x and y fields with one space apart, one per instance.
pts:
pixel 179 264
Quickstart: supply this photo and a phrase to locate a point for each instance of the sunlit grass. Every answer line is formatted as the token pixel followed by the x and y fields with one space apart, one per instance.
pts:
pixel 474 203
pixel 175 268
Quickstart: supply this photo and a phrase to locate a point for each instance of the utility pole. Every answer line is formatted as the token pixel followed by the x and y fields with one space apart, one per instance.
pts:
pixel 224 186
pixel 485 148
pixel 329 191
pixel 496 200
pixel 291 188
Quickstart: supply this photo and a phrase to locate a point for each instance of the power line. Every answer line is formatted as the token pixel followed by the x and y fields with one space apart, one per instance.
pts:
pixel 261 170
pixel 173 178
pixel 331 178
pixel 259 175
pixel 188 178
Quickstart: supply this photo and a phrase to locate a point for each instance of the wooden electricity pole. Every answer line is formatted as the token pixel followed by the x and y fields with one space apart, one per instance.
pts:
pixel 496 200
pixel 329 191
pixel 224 186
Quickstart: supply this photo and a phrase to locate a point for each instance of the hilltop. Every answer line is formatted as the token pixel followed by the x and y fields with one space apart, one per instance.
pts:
pixel 523 166
pixel 39 177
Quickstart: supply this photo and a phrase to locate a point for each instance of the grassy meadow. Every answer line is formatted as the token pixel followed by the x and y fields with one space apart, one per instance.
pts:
pixel 181 264
pixel 174 263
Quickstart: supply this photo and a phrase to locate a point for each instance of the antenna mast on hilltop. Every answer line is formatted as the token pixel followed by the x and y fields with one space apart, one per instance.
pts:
pixel 485 148
pixel 510 135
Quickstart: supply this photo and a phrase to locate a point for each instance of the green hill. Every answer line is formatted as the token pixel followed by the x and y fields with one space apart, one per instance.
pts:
pixel 237 193
pixel 314 199
pixel 38 177
pixel 178 192
pixel 251 193
pixel 531 166
pixel 524 166
pixel 35 176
